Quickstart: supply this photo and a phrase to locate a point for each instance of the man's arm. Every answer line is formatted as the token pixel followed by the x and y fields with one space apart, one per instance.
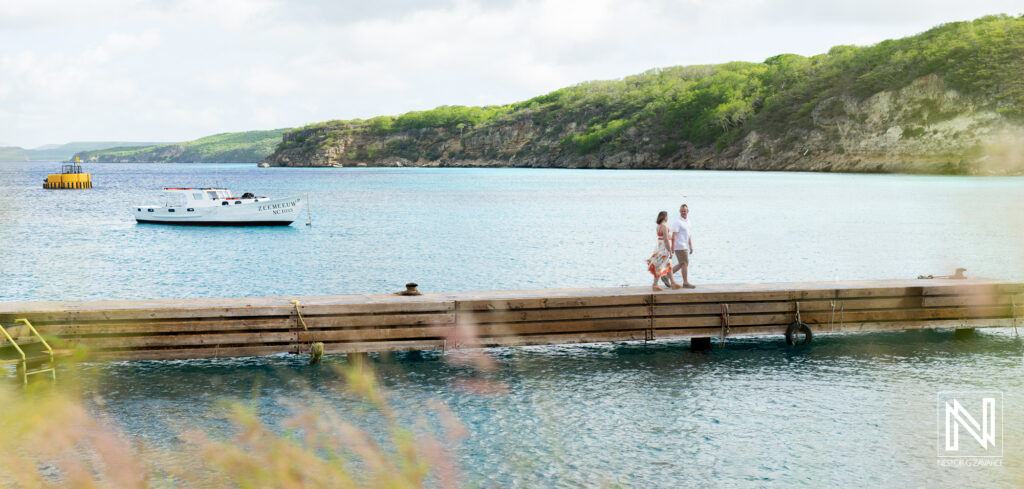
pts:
pixel 690 244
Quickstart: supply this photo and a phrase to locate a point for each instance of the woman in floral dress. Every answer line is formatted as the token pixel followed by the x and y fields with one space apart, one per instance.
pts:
pixel 660 262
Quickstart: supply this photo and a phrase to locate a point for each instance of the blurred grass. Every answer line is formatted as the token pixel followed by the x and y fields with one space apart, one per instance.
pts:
pixel 51 439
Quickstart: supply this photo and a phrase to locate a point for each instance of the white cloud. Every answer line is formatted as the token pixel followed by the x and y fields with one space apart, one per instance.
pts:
pixel 181 69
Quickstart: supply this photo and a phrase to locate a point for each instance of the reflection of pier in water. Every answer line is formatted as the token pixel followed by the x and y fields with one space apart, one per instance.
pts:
pixel 206 328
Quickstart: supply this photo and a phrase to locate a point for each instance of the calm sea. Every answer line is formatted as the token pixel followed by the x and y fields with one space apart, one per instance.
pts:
pixel 852 410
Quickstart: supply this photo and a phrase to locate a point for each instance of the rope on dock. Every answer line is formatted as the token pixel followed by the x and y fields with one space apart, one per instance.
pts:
pixel 832 317
pixel 725 322
pixel 1013 310
pixel 299 313
pixel 316 349
pixel 649 332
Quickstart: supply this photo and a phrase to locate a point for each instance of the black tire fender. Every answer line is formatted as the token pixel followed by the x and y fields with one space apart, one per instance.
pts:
pixel 798 327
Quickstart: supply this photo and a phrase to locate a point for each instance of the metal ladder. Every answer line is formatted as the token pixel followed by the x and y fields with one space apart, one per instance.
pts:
pixel 24 360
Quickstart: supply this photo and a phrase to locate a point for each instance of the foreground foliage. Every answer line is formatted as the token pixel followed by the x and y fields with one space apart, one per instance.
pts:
pixel 52 440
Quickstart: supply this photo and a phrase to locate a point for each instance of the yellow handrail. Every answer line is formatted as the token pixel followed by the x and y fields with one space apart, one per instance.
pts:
pixel 14 343
pixel 24 359
pixel 47 345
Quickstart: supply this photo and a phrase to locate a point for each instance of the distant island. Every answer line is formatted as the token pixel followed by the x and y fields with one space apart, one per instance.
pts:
pixel 947 101
pixel 59 152
pixel 231 147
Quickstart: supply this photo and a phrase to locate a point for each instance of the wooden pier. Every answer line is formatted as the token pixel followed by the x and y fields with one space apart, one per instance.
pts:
pixel 209 328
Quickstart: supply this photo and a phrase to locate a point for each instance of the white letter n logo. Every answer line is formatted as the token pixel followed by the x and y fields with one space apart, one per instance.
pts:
pixel 957 417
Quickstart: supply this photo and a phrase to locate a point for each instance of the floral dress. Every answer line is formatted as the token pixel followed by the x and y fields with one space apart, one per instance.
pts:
pixel 660 262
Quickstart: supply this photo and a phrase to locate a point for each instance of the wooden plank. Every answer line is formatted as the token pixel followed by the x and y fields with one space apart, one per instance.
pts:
pixel 749 296
pixel 805 306
pixel 283 310
pixel 973 300
pixel 383 346
pixel 154 341
pixel 519 329
pixel 552 302
pixel 150 314
pixel 878 292
pixel 330 322
pixel 762 330
pixel 709 321
pixel 912 314
pixel 700 309
pixel 853 304
pixel 377 308
pixel 560 339
pixel 1011 289
pixel 862 327
pixel 964 289
pixel 771 330
pixel 212 325
pixel 191 326
pixel 481 317
pixel 406 333
pixel 189 353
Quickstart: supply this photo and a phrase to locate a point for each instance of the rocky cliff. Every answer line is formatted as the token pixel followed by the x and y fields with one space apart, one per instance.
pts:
pixel 950 100
pixel 925 127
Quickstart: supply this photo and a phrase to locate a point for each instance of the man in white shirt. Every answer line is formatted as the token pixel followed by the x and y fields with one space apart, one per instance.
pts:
pixel 682 242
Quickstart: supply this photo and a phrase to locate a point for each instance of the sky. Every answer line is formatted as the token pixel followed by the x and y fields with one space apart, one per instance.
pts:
pixel 176 70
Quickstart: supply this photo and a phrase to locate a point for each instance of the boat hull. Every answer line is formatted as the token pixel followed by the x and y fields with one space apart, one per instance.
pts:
pixel 217 223
pixel 236 212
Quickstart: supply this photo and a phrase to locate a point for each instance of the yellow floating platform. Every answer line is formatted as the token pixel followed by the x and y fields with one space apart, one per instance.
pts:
pixel 70 177
pixel 68 181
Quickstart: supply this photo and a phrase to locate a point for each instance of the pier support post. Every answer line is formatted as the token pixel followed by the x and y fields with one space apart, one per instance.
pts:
pixel 700 344
pixel 357 358
pixel 414 355
pixel 964 333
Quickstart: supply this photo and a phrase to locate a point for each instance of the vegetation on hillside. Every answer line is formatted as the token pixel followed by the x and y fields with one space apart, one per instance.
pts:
pixel 13 153
pixel 58 152
pixel 250 146
pixel 714 105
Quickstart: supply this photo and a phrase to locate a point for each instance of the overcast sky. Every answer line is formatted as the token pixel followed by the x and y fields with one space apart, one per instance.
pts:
pixel 174 70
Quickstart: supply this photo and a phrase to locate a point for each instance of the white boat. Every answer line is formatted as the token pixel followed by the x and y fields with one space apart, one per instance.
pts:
pixel 217 207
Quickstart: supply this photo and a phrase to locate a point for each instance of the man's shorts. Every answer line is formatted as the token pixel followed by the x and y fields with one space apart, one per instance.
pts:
pixel 683 257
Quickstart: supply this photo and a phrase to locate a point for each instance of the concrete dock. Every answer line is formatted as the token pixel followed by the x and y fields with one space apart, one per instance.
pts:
pixel 209 328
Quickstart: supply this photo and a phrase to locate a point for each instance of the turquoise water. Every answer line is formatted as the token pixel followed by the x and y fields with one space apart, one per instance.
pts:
pixel 852 410
pixel 481 229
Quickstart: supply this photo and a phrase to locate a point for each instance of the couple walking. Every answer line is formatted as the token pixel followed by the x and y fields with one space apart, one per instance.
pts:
pixel 676 239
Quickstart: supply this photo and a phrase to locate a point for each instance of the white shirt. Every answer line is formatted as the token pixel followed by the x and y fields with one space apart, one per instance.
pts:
pixel 681 227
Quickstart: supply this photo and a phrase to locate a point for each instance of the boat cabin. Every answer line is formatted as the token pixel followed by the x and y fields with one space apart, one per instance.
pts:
pixel 183 196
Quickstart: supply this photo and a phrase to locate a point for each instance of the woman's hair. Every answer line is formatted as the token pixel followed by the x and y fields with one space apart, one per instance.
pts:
pixel 662 216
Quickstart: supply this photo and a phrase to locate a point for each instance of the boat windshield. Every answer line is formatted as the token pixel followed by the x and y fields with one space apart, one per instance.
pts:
pixel 174 199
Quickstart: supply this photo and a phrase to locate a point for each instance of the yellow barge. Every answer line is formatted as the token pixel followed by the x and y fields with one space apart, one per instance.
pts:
pixel 70 177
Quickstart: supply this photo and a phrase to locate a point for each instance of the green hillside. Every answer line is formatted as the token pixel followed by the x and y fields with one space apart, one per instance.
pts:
pixel 12 153
pixel 58 152
pixel 674 116
pixel 250 146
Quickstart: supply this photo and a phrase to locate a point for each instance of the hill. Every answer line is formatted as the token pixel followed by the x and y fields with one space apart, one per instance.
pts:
pixel 59 152
pixel 231 147
pixel 949 100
